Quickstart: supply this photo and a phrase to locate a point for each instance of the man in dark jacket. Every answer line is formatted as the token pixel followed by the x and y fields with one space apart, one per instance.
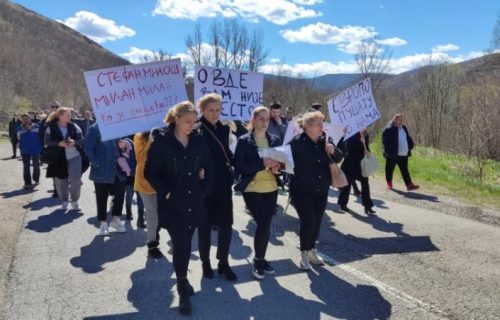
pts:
pixel 397 148
pixel 30 147
pixel 14 125
pixel 277 123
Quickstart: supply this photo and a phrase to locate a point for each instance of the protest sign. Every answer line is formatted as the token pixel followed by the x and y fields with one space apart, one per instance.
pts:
pixel 332 130
pixel 241 91
pixel 354 108
pixel 134 98
pixel 282 154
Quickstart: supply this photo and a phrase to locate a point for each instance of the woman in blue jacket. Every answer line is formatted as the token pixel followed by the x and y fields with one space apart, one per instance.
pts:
pixel 109 179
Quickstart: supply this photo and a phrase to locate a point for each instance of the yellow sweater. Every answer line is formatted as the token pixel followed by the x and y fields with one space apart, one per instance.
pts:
pixel 141 153
pixel 264 181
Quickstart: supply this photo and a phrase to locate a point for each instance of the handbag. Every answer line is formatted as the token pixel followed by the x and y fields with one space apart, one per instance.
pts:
pixel 50 154
pixel 228 161
pixel 339 180
pixel 369 165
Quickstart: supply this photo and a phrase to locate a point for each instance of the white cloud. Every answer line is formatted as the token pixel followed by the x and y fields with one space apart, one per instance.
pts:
pixel 96 28
pixel 348 38
pixel 138 55
pixel 445 47
pixel 322 33
pixel 396 66
pixel 393 42
pixel 279 12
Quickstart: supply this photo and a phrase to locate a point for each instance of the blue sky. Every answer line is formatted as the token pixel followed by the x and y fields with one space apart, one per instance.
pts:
pixel 307 37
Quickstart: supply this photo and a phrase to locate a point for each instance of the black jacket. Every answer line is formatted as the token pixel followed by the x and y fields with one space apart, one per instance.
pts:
pixel 14 124
pixel 247 161
pixel 221 168
pixel 390 140
pixel 312 170
pixel 60 168
pixel 172 169
pixel 354 153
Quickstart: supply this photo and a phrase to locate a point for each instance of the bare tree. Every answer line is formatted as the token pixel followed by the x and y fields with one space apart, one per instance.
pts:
pixel 495 37
pixel 231 46
pixel 194 43
pixel 373 61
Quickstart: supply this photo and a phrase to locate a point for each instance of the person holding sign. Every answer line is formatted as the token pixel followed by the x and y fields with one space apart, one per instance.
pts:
pixel 355 148
pixel 179 168
pixel 397 149
pixel 259 184
pixel 310 183
pixel 219 203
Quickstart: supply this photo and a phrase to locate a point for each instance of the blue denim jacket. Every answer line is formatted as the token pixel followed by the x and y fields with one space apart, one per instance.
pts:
pixel 103 156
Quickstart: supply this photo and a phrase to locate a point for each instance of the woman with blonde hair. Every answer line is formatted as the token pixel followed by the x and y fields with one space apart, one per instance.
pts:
pixel 179 168
pixel 310 183
pixel 259 184
pixel 219 203
pixel 65 140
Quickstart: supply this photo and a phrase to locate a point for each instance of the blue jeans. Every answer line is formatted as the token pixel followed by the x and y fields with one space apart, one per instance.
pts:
pixel 27 159
pixel 129 195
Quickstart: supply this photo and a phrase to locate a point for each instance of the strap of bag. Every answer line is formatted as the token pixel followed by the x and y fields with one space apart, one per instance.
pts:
pixel 228 162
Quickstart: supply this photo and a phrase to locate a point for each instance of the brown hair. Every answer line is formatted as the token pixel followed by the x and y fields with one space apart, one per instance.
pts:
pixel 207 99
pixel 178 111
pixel 309 117
pixel 256 112
pixel 56 114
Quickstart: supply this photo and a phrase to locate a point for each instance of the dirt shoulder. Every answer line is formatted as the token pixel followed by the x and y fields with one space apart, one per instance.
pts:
pixel 13 201
pixel 428 197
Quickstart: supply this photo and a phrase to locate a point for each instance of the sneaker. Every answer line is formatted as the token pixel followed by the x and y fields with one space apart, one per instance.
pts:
pixel 389 185
pixel 118 226
pixel 345 208
pixel 258 270
pixel 64 205
pixel 304 261
pixel 103 229
pixel 27 186
pixel 75 205
pixel 268 269
pixel 314 258
pixel 155 253
pixel 208 272
pixel 412 187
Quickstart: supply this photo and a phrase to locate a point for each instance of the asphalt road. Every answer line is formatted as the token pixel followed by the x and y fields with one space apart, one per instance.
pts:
pixel 403 263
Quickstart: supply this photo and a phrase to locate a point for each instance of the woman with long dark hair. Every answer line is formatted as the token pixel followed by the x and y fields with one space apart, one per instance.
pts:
pixel 259 184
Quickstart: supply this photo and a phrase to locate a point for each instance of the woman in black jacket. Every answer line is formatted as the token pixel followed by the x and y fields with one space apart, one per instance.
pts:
pixel 310 183
pixel 179 168
pixel 355 148
pixel 259 184
pixel 219 203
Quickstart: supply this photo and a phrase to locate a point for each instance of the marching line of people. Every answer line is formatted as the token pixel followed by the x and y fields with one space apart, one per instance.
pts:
pixel 183 176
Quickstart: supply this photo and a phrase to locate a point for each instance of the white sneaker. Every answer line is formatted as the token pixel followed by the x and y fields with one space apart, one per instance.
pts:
pixel 118 226
pixel 64 206
pixel 103 230
pixel 314 258
pixel 75 205
pixel 304 261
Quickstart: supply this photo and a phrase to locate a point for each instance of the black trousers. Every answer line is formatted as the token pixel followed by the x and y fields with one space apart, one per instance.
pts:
pixel 366 199
pixel 14 146
pixel 310 208
pixel 102 191
pixel 402 163
pixel 27 160
pixel 181 237
pixel 219 207
pixel 262 207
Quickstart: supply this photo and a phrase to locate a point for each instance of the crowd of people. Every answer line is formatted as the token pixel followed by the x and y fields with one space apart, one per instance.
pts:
pixel 183 175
